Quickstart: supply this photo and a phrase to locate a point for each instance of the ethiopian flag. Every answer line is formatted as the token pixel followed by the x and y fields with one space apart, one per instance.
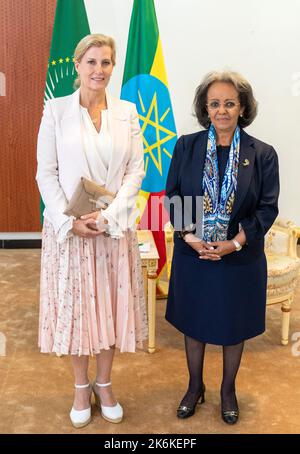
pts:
pixel 70 25
pixel 145 83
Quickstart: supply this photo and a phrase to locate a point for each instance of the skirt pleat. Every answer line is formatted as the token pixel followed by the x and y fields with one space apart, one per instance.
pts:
pixel 92 294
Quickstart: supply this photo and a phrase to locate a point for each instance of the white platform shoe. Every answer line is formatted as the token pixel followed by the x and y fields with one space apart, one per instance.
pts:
pixel 112 414
pixel 81 418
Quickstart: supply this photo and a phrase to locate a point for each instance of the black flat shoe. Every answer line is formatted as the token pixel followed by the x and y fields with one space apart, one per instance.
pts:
pixel 185 412
pixel 230 416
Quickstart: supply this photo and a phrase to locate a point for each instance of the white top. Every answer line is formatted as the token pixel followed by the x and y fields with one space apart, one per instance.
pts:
pixel 97 145
pixel 98 151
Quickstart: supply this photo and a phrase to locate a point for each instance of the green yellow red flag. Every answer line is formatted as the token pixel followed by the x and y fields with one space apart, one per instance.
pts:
pixel 145 83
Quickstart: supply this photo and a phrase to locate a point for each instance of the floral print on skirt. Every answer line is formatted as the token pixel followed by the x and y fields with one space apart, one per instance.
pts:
pixel 92 294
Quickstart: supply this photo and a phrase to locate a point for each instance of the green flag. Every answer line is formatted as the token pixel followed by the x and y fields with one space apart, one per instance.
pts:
pixel 70 25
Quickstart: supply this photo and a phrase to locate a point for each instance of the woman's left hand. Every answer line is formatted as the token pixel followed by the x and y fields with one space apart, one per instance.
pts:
pixel 221 248
pixel 98 222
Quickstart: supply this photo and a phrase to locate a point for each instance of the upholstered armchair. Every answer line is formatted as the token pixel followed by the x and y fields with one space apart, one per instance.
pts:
pixel 283 269
pixel 283 266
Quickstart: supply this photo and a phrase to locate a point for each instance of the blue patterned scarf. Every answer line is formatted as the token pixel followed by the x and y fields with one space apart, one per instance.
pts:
pixel 216 214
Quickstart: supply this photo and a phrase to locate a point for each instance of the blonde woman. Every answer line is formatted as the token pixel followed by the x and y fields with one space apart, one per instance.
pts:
pixel 91 283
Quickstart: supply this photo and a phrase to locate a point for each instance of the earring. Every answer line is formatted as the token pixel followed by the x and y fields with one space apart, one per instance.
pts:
pixel 241 115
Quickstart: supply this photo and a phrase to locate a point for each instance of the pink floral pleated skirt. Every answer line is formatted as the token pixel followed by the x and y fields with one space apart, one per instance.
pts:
pixel 92 294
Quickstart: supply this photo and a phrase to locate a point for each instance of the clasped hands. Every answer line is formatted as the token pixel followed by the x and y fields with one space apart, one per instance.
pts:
pixel 213 251
pixel 90 225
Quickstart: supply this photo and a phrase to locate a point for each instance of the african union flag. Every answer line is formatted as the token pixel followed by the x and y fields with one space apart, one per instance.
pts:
pixel 70 25
pixel 145 84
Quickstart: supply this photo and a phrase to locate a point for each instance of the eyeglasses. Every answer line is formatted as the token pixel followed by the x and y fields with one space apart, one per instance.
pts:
pixel 228 105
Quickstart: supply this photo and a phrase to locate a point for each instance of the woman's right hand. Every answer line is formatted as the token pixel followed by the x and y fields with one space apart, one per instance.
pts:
pixel 84 228
pixel 200 246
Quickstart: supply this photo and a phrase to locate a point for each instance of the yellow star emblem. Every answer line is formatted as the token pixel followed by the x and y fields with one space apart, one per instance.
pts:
pixel 67 59
pixel 53 62
pixel 157 125
pixel 61 60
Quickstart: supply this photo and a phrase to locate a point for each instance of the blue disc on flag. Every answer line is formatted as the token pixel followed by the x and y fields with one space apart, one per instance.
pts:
pixel 156 118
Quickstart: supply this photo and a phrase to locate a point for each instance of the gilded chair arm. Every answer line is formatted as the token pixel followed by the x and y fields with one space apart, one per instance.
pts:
pixel 294 235
pixel 168 230
pixel 297 232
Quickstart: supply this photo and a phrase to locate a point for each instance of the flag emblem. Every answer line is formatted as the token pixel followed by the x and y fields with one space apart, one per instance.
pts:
pixel 59 72
pixel 157 125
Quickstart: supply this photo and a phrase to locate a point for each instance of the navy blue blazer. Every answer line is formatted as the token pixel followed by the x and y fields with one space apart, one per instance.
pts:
pixel 256 200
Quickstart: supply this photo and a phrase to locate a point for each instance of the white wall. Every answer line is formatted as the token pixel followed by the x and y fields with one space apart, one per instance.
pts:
pixel 259 38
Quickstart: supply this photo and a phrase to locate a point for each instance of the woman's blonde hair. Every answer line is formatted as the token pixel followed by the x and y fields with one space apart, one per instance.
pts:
pixel 243 87
pixel 88 41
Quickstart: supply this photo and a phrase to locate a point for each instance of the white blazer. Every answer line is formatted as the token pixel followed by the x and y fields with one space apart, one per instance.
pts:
pixel 62 161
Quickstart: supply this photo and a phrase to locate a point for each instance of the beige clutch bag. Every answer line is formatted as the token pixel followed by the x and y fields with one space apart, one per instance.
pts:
pixel 88 197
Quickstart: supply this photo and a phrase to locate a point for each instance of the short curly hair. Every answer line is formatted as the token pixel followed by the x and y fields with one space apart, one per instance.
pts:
pixel 243 88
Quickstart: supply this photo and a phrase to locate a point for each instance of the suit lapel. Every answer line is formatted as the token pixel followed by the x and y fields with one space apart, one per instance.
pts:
pixel 72 135
pixel 246 165
pixel 73 140
pixel 198 158
pixel 118 127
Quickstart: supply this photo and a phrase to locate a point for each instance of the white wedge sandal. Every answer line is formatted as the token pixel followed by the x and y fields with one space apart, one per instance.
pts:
pixel 112 414
pixel 81 418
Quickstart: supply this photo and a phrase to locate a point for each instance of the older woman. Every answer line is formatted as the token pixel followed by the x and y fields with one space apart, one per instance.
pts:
pixel 91 282
pixel 217 290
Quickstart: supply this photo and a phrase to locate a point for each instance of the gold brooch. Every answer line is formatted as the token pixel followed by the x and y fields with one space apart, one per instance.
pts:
pixel 246 162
